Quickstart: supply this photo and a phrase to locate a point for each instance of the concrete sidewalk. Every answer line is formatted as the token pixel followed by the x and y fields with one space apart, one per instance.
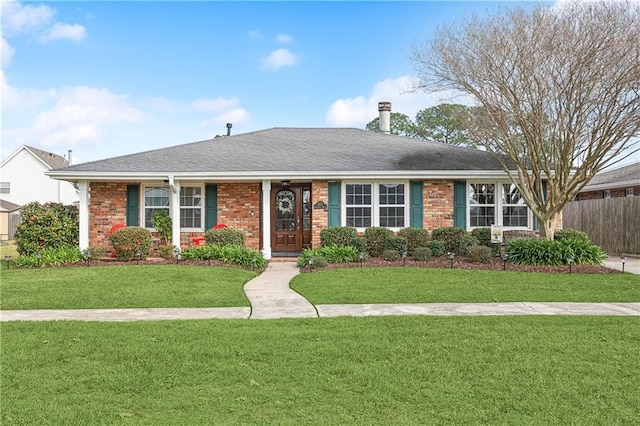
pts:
pixel 271 297
pixel 632 264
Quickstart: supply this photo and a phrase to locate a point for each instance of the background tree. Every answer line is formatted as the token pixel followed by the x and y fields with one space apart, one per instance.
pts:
pixel 446 123
pixel 400 124
pixel 559 88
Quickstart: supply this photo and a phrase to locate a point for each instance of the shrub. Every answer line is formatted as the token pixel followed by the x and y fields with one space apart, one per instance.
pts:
pixel 128 242
pixel 483 235
pixel 465 244
pixel 230 254
pixel 376 240
pixel 436 247
pixel 480 254
pixel 166 251
pixel 451 237
pixel 43 226
pixel 162 222
pixel 391 255
pixel 360 244
pixel 531 251
pixel 397 243
pixel 416 237
pixel 330 254
pixel 96 253
pixel 225 236
pixel 422 254
pixel 338 235
pixel 50 257
pixel 573 234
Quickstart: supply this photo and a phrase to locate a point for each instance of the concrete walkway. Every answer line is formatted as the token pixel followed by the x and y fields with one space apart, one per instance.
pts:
pixel 271 297
pixel 632 264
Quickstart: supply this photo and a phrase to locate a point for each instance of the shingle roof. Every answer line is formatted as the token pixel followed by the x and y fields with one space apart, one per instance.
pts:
pixel 8 206
pixel 52 160
pixel 299 150
pixel 620 175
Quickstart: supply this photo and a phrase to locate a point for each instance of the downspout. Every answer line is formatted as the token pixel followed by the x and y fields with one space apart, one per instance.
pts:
pixel 174 210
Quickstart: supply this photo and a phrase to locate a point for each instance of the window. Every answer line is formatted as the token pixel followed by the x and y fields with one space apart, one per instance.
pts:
pixel 630 192
pixel 191 207
pixel 607 193
pixel 5 187
pixel 391 205
pixel 158 198
pixel 482 209
pixel 497 204
pixel 155 199
pixel 375 204
pixel 514 210
pixel 359 207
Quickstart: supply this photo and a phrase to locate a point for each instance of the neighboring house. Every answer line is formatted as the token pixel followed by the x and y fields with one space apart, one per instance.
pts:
pixel 23 179
pixel 284 185
pixel 7 210
pixel 620 182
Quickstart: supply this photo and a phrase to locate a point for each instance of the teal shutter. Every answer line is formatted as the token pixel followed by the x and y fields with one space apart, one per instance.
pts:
pixel 133 199
pixel 417 212
pixel 210 206
pixel 334 203
pixel 460 204
pixel 536 221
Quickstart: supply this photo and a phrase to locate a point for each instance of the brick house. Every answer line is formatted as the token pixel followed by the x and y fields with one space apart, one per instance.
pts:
pixel 621 182
pixel 282 186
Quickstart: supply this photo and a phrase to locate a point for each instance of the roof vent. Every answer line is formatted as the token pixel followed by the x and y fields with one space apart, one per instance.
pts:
pixel 384 122
pixel 229 126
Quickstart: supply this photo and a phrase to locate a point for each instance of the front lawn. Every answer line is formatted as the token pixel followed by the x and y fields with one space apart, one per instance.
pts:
pixel 130 286
pixel 391 370
pixel 431 285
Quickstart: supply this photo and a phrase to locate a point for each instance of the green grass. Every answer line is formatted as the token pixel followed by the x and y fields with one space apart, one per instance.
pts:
pixel 421 285
pixel 131 286
pixel 377 370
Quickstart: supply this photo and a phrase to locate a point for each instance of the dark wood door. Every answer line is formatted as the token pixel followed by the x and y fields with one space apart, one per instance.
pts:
pixel 286 219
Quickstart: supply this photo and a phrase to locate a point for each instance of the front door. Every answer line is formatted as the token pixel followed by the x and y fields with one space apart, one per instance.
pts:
pixel 286 215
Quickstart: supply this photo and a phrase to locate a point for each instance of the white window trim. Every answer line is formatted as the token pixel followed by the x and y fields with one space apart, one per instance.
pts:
pixel 375 203
pixel 498 206
pixel 629 192
pixel 143 186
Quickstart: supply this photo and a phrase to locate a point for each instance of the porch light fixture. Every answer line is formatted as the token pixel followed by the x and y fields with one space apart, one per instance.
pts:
pixel 404 258
pixel 451 256
pixel 505 259
pixel 285 182
pixel 311 264
pixel 623 259
pixel 361 258
pixel 86 255
pixel 7 258
pixel 570 261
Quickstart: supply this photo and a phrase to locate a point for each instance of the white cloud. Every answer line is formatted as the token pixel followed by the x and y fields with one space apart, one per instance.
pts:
pixel 18 19
pixel 235 116
pixel 278 59
pixel 7 52
pixel 254 34
pixel 14 99
pixel 214 105
pixel 358 111
pixel 58 31
pixel 284 38
pixel 80 115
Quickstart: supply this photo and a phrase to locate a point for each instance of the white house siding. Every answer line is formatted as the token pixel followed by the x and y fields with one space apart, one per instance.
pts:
pixel 25 173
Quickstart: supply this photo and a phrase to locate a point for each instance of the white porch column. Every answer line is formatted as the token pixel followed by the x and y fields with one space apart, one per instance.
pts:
pixel 174 210
pixel 266 218
pixel 83 215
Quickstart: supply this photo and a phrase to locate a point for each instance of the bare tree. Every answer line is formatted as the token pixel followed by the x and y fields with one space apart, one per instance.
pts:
pixel 560 88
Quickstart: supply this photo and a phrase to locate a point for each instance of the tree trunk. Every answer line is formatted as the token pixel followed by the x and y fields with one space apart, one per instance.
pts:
pixel 548 227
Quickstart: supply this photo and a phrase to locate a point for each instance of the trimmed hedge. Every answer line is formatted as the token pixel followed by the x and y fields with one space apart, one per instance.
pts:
pixel 437 248
pixel 376 240
pixel 480 254
pixel 43 226
pixel 338 235
pixel 225 236
pixel 422 254
pixel 416 237
pixel 128 242
pixel 455 240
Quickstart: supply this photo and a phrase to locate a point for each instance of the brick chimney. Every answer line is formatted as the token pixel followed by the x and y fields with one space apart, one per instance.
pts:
pixel 384 123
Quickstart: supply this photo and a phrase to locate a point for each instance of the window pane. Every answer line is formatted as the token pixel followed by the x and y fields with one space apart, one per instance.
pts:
pixel 510 194
pixel 358 217
pixel 155 199
pixel 392 217
pixel 5 187
pixel 391 194
pixel 148 215
pixel 515 216
pixel 358 194
pixel 482 193
pixel 481 216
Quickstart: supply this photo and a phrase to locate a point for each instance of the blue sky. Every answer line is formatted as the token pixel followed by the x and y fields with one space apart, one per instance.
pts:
pixel 112 78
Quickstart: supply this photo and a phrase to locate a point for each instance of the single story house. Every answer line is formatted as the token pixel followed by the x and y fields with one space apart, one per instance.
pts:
pixel 620 182
pixel 282 186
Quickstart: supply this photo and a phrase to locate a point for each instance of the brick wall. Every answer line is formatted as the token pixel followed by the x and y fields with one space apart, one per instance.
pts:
pixel 239 207
pixel 107 207
pixel 615 193
pixel 437 204
pixel 319 218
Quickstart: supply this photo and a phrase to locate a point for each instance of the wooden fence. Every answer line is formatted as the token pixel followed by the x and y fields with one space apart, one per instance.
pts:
pixel 611 223
pixel 14 221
